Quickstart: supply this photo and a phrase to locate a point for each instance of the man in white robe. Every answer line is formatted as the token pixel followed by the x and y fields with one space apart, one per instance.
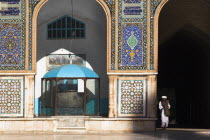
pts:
pixel 164 115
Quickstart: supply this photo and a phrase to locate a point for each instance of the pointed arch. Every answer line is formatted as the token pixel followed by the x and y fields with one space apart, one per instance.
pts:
pixel 108 20
pixel 34 30
pixel 156 21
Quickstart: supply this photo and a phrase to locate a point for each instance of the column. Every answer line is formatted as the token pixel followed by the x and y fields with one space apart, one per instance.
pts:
pixel 29 96
pixel 112 92
pixel 152 96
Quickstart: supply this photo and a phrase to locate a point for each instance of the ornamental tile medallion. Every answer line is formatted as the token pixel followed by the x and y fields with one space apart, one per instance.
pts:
pixel 11 96
pixel 132 45
pixel 132 49
pixel 131 98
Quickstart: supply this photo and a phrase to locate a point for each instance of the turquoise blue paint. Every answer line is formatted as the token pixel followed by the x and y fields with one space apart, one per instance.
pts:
pixel 91 108
pixel 36 106
pixel 71 71
pixel 47 112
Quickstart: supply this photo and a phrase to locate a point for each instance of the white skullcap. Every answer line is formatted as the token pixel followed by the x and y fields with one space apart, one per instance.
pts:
pixel 164 97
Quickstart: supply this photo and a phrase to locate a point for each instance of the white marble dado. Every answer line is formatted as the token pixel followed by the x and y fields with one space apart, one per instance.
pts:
pixel 21 125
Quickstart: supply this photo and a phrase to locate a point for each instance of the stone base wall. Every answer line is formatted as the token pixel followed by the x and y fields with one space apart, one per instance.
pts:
pixel 27 125
pixel 92 125
pixel 117 125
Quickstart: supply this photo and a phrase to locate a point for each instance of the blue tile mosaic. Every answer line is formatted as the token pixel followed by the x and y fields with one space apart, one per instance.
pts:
pixel 132 46
pixel 132 13
pixel 153 4
pixel 33 4
pixel 12 35
pixel 10 42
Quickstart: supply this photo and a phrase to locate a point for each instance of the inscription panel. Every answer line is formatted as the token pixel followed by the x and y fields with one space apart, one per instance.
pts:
pixel 132 1
pixel 10 9
pixel 132 9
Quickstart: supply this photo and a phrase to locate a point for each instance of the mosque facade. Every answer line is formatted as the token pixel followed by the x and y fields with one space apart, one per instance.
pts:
pixel 130 64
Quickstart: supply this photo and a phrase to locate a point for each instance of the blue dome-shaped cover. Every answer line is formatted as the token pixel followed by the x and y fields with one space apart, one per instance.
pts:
pixel 71 71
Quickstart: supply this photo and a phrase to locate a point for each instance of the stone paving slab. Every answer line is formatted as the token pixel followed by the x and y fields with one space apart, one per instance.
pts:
pixel 170 134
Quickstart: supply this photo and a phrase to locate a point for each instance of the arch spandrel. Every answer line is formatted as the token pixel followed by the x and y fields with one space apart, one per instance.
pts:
pixel 141 15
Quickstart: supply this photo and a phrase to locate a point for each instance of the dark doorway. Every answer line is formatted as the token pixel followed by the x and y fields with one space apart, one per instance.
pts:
pixel 184 61
pixel 184 76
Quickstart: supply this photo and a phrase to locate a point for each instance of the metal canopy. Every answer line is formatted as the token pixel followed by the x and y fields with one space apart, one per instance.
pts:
pixel 71 71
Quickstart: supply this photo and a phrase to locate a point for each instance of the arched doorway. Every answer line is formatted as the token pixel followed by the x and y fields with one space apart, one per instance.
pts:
pixel 94 46
pixel 184 62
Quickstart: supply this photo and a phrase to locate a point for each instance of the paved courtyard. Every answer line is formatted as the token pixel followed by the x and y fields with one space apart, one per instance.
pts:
pixel 171 134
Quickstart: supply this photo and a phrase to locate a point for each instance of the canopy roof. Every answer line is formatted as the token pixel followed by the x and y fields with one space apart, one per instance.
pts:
pixel 71 71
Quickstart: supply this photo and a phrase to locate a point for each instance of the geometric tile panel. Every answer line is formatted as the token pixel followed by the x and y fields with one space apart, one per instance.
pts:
pixel 131 98
pixel 11 96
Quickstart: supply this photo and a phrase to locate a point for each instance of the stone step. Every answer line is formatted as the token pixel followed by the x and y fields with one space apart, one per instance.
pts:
pixel 71 123
pixel 71 128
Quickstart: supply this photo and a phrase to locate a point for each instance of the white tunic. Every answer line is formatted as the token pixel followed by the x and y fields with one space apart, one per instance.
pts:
pixel 164 118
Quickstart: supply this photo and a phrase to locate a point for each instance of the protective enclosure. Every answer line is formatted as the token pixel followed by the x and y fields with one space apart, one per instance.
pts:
pixel 63 96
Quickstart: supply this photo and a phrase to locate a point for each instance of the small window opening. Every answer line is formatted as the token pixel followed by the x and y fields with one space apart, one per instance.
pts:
pixel 66 28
